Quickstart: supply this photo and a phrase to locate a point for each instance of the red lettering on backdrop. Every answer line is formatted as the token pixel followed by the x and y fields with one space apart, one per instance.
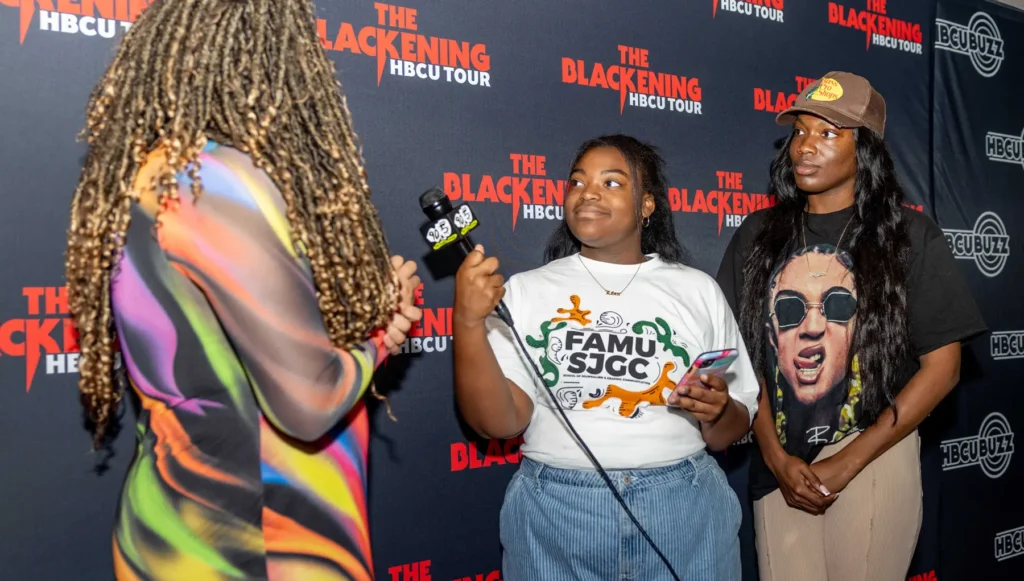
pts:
pixel 492 576
pixel 32 338
pixel 536 190
pixel 467 455
pixel 411 572
pixel 929 576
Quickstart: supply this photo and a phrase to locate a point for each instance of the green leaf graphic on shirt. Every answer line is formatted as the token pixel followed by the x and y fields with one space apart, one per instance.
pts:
pixel 550 369
pixel 664 333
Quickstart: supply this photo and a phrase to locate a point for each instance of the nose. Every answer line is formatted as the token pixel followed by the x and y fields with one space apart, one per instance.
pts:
pixel 814 323
pixel 590 192
pixel 806 145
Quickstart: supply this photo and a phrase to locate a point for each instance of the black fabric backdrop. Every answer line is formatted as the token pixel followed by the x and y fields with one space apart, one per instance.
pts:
pixel 532 81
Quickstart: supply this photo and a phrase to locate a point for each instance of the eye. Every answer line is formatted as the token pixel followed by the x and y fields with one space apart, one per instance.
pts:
pixel 830 133
pixel 798 132
pixel 575 183
pixel 612 184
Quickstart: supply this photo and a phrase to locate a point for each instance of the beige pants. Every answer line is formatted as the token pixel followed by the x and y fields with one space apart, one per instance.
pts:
pixel 868 534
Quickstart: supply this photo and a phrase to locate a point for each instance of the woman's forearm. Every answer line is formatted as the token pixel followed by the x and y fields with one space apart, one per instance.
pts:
pixel 939 374
pixel 492 405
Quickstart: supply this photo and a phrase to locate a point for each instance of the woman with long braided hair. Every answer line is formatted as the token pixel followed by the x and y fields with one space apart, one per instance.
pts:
pixel 853 310
pixel 223 237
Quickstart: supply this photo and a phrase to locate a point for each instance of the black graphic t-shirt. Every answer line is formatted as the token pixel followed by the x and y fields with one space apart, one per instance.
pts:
pixel 810 304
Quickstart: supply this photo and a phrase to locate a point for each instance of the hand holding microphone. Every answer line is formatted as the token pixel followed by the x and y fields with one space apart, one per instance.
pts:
pixel 478 288
pixel 449 227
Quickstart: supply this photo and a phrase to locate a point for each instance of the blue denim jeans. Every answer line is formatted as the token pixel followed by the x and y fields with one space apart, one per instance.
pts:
pixel 565 524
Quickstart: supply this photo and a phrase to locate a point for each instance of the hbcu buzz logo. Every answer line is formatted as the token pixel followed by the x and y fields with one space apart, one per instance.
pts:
pixel 527 188
pixel 87 18
pixel 987 245
pixel 763 9
pixel 1005 148
pixel 729 202
pixel 991 449
pixel 1009 544
pixel 1006 345
pixel 636 83
pixel 979 40
pixel 47 334
pixel 405 53
pixel 879 28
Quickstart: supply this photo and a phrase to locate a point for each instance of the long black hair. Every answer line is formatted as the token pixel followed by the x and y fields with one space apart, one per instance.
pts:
pixel 647 172
pixel 880 246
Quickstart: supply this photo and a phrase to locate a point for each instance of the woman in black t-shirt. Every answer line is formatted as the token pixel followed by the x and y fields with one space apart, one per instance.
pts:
pixel 853 311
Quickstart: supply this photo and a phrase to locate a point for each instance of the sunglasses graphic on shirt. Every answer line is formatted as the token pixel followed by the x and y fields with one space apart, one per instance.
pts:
pixel 838 306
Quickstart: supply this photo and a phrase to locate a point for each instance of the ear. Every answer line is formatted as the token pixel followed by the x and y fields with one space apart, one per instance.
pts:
pixel 648 205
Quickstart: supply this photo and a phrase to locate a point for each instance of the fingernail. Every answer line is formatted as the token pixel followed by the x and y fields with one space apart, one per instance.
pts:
pixel 703 377
pixel 824 490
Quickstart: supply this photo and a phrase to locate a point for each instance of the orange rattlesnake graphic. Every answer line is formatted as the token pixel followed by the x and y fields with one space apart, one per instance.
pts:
pixel 630 400
pixel 574 314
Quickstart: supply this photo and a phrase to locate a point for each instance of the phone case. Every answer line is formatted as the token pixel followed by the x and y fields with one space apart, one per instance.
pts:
pixel 712 362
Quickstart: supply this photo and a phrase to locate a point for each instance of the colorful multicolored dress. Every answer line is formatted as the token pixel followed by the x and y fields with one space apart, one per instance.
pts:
pixel 252 438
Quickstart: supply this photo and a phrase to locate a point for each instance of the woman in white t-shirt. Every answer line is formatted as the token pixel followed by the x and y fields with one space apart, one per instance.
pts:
pixel 612 322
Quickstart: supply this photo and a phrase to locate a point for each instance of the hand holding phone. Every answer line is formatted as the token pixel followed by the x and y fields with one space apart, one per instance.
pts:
pixel 707 402
pixel 710 363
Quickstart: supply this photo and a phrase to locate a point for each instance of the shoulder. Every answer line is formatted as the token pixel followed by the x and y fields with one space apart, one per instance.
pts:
pixel 555 272
pixel 686 281
pixel 921 225
pixel 744 236
pixel 922 231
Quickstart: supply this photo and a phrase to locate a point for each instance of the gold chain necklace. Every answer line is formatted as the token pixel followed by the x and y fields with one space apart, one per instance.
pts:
pixel 606 291
pixel 803 232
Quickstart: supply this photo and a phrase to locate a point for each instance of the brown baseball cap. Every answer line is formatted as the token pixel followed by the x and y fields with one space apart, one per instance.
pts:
pixel 842 99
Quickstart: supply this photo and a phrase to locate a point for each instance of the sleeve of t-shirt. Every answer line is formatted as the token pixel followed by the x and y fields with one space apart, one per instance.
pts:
pixel 942 308
pixel 730 273
pixel 725 334
pixel 503 343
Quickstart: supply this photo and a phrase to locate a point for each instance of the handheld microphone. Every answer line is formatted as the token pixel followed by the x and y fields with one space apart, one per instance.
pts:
pixel 450 226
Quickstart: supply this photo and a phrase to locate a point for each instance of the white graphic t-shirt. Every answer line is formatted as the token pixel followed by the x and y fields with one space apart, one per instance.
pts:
pixel 612 361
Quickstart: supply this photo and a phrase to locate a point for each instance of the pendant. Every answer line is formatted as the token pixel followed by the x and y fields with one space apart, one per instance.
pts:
pixel 816 274
pixel 612 293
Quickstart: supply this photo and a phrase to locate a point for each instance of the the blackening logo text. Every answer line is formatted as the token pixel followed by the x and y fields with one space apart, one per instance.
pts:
pixel 528 188
pixel 729 202
pixel 103 18
pixel 879 28
pixel 46 335
pixel 636 82
pixel 775 101
pixel 763 9
pixel 401 50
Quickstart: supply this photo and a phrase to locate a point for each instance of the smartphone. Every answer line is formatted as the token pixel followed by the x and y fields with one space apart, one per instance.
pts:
pixel 712 363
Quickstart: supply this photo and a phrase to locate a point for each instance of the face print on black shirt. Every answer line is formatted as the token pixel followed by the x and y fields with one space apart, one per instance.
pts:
pixel 812 306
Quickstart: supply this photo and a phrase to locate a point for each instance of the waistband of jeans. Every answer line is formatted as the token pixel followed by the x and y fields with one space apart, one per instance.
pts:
pixel 689 466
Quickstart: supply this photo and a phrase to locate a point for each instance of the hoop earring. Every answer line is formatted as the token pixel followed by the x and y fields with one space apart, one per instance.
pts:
pixel 647 221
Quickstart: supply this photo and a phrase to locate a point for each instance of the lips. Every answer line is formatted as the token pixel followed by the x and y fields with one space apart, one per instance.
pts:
pixel 808 364
pixel 805 168
pixel 590 212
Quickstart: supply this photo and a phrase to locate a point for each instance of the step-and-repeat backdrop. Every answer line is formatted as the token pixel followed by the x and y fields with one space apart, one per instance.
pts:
pixel 489 100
